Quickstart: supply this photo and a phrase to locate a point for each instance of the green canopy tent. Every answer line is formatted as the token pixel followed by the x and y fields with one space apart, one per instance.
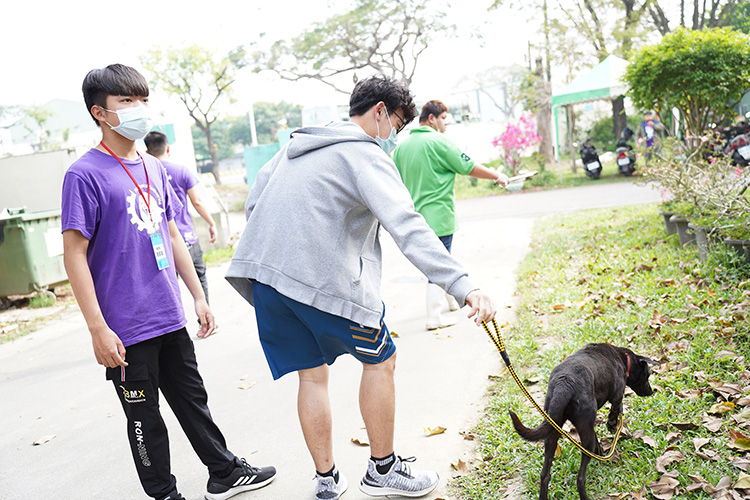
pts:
pixel 603 82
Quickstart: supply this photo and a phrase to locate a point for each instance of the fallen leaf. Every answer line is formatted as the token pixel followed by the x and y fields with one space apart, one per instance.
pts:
pixel 743 482
pixel 244 377
pixel 394 334
pixel 460 466
pixel 44 439
pixel 711 455
pixel 246 386
pixel 698 483
pixel 721 408
pixel 360 442
pixel 432 432
pixel 713 424
pixel 740 463
pixel 648 440
pixel 667 459
pixel 673 436
pixel 700 443
pixel 558 307
pixel 666 486
pixel 684 426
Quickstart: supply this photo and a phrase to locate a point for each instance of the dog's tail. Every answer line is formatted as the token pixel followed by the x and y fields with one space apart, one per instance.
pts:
pixel 536 434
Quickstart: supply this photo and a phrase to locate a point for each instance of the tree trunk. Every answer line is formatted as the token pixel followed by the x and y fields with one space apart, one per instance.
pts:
pixel 214 155
pixel 619 118
pixel 544 114
pixel 571 119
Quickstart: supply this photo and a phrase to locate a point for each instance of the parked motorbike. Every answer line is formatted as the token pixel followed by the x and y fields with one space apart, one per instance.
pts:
pixel 624 153
pixel 737 140
pixel 591 163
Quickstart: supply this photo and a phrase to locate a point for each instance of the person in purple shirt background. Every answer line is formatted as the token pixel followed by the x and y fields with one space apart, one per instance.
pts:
pixel 122 250
pixel 185 185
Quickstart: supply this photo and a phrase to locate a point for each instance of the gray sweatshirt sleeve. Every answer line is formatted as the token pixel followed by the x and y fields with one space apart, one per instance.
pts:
pixel 384 193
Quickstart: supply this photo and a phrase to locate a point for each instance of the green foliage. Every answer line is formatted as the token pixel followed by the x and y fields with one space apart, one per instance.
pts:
pixel 602 133
pixel 232 133
pixel 615 278
pixel 385 36
pixel 740 19
pixel 701 73
pixel 200 78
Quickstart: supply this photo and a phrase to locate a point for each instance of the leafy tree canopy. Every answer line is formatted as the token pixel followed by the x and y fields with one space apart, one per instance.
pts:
pixel 385 36
pixel 701 73
pixel 200 79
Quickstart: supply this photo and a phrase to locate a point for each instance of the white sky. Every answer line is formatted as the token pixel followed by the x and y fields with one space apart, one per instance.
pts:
pixel 47 47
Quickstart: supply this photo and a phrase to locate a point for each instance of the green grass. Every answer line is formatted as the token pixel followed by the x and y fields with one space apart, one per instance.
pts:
pixel 613 270
pixel 218 256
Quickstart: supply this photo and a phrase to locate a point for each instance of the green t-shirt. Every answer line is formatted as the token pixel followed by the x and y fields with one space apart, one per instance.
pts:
pixel 428 163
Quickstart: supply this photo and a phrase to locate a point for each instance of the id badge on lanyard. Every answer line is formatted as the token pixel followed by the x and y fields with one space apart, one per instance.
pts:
pixel 159 251
pixel 157 243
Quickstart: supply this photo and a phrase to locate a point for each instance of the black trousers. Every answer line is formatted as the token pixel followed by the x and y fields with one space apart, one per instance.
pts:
pixel 196 253
pixel 167 363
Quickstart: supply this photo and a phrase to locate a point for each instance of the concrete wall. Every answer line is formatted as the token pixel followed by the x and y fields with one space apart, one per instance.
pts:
pixel 34 181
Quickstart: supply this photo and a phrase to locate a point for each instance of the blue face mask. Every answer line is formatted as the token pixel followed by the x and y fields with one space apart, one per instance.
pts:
pixel 389 144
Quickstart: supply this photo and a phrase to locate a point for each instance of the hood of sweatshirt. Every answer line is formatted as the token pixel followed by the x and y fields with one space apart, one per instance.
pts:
pixel 309 139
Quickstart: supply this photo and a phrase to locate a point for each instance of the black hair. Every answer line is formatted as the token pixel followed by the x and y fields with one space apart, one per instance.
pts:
pixel 156 143
pixel 394 93
pixel 115 79
pixel 434 107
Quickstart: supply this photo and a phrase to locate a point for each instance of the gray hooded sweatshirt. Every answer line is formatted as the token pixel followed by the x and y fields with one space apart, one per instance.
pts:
pixel 313 216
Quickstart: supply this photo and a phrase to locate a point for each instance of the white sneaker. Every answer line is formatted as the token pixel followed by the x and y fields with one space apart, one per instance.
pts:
pixel 329 489
pixel 400 480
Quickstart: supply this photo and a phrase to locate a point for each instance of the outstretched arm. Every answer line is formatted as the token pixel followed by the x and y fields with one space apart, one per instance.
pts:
pixel 482 172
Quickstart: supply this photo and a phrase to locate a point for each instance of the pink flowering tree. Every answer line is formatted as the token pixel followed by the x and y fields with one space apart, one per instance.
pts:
pixel 516 139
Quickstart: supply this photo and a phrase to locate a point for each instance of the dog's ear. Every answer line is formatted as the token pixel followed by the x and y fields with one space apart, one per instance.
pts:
pixel 644 359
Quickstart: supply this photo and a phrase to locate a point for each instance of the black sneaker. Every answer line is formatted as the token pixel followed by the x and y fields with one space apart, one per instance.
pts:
pixel 244 477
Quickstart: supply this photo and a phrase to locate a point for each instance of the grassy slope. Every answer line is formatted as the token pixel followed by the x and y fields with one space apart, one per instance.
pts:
pixel 614 272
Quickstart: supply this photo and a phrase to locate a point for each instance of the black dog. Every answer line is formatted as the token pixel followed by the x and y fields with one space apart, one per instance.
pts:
pixel 577 388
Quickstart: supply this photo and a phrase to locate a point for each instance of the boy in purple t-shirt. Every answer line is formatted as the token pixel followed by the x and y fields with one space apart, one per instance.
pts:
pixel 185 185
pixel 122 249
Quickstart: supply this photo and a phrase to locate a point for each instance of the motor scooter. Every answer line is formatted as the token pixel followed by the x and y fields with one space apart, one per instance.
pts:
pixel 591 163
pixel 738 144
pixel 624 153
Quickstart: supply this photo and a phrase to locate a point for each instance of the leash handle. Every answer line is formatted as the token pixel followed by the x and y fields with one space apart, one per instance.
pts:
pixel 497 339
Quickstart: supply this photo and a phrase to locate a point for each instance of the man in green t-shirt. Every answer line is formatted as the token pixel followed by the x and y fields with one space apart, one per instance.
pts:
pixel 428 162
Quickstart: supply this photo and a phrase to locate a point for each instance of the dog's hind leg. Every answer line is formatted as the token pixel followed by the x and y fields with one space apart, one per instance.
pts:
pixel 550 447
pixel 591 443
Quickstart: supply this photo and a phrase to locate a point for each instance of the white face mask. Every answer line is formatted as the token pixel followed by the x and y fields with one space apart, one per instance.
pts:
pixel 389 144
pixel 135 122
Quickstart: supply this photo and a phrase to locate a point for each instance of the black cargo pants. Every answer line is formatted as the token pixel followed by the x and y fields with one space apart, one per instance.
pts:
pixel 167 363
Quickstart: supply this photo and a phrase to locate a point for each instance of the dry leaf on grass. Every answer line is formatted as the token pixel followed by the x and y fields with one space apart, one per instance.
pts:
pixel 666 486
pixel 743 482
pixel 460 466
pixel 698 483
pixel 700 443
pixel 721 408
pixel 684 426
pixel 429 431
pixel 44 439
pixel 667 459
pixel 711 455
pixel 712 424
pixel 739 441
pixel 673 436
pixel 741 463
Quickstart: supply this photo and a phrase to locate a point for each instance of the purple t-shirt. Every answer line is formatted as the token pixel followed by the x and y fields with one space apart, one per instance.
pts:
pixel 181 180
pixel 99 199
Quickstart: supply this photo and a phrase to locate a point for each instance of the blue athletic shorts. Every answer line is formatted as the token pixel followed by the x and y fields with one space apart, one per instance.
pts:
pixel 296 336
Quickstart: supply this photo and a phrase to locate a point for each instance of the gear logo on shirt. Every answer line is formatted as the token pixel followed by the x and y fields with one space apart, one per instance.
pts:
pixel 139 211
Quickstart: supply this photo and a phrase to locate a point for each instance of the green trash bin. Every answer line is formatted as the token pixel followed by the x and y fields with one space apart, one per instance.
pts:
pixel 31 252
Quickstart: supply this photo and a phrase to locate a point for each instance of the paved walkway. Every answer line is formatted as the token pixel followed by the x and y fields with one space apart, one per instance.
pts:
pixel 50 384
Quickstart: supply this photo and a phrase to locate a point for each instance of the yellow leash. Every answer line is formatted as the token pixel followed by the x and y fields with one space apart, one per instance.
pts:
pixel 497 339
